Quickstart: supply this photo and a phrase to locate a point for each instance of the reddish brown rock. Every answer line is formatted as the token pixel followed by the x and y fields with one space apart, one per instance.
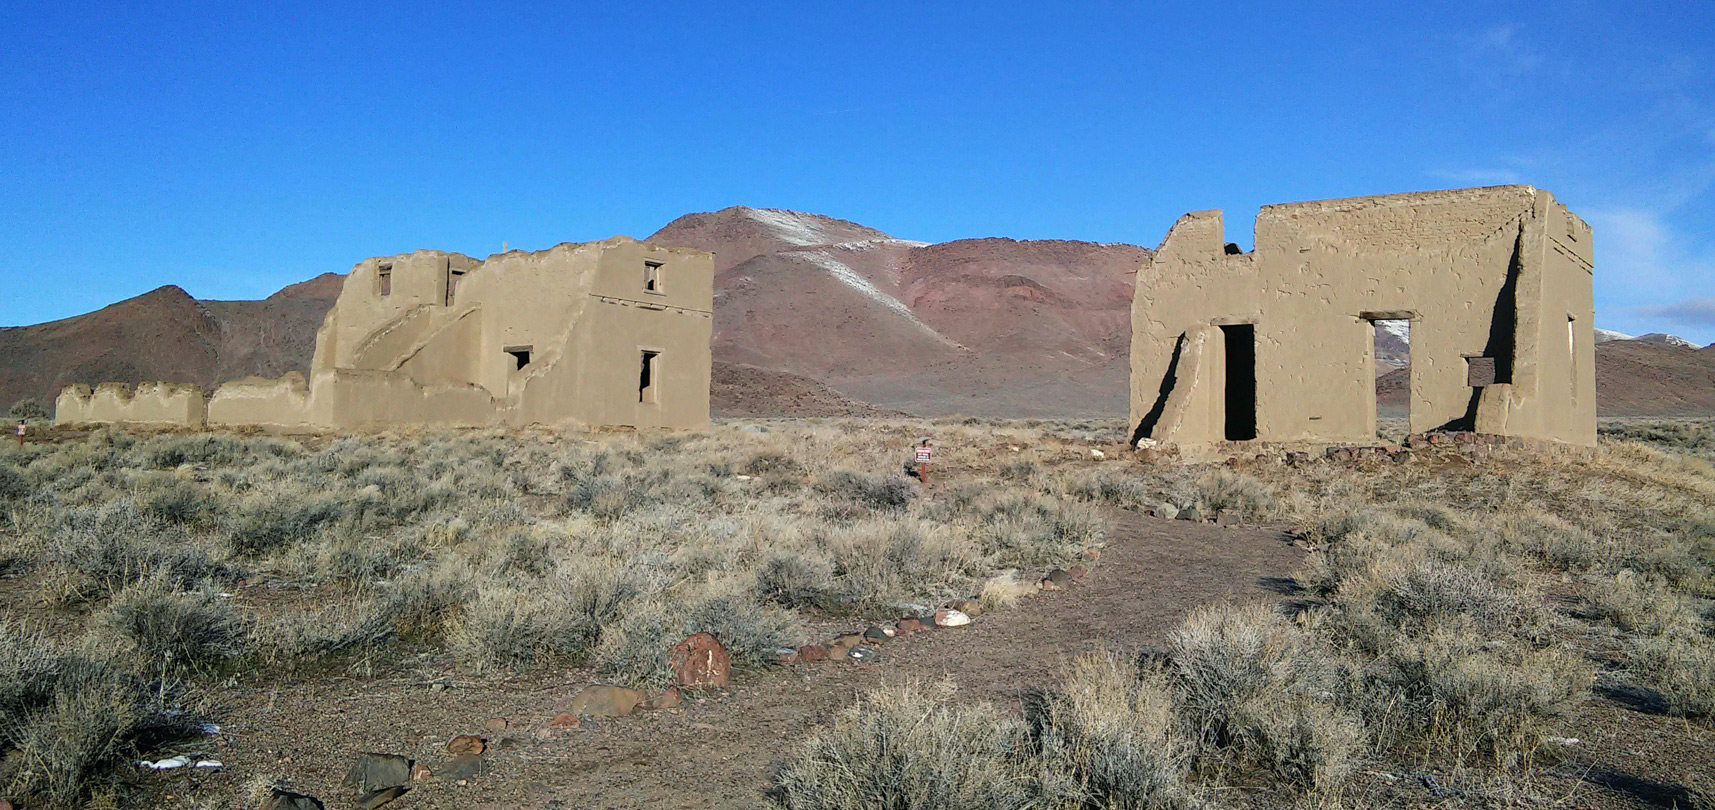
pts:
pixel 495 725
pixel 1078 572
pixel 947 617
pixel 845 642
pixel 421 772
pixel 813 653
pixel 788 658
pixel 907 626
pixel 970 607
pixel 700 661
pixel 668 699
pixel 564 720
pixel 466 744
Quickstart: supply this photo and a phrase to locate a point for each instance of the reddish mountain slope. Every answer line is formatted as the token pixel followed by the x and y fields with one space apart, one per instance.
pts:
pixel 979 326
pixel 1633 378
pixel 165 334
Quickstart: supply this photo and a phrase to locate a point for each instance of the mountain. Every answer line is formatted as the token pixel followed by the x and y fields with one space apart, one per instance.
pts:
pixel 975 326
pixel 1634 377
pixel 165 334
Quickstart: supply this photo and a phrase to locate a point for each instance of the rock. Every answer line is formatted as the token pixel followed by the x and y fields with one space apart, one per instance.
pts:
pixel 970 607
pixel 1190 513
pixel 1078 572
pixel 421 773
pixel 700 661
pixel 1164 511
pixel 1228 517
pixel 464 766
pixel 1297 458
pixel 845 642
pixel 787 658
pixel 877 634
pixel 466 744
pixel 813 653
pixel 1094 453
pixel 863 655
pixel 373 772
pixel 494 725
pixel 377 798
pixel 561 720
pixel 605 701
pixel 948 617
pixel 754 429
pixel 5 805
pixel 287 800
pixel 668 699
pixel 907 626
pixel 1416 441
pixel 1058 578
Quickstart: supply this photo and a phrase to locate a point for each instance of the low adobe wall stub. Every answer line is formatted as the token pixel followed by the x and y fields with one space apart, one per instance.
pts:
pixel 154 404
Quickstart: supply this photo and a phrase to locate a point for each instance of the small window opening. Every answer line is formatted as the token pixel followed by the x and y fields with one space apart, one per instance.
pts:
pixel 1233 249
pixel 1479 371
pixel 652 276
pixel 646 376
pixel 520 355
pixel 384 279
pixel 453 276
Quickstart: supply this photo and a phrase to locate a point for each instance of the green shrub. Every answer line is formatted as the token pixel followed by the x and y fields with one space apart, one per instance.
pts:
pixel 909 747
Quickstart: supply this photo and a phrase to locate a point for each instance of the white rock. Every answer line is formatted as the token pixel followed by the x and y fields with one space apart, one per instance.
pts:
pixel 166 764
pixel 1145 443
pixel 948 617
pixel 1094 453
pixel 208 763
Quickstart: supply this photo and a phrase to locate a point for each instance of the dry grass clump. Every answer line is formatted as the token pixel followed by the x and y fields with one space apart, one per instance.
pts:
pixel 174 632
pixel 1110 738
pixel 909 746
pixel 69 721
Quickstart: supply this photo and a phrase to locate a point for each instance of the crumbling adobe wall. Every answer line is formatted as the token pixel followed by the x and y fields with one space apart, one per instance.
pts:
pixel 151 404
pixel 1472 269
pixel 281 403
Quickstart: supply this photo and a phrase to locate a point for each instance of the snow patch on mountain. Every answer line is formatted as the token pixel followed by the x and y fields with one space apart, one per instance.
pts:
pixel 852 279
pixel 791 226
pixel 1605 335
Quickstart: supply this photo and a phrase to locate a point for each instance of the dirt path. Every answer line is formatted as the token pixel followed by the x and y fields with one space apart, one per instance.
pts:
pixel 717 750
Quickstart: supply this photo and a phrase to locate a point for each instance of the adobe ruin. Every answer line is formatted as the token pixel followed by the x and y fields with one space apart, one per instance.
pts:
pixel 610 333
pixel 1278 344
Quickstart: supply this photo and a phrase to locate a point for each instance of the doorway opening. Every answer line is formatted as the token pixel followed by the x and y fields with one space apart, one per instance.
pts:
pixel 1390 351
pixel 1240 340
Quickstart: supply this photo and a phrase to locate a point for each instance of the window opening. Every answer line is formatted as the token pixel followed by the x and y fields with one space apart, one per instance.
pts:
pixel 453 276
pixel 520 355
pixel 646 376
pixel 384 279
pixel 1240 340
pixel 652 276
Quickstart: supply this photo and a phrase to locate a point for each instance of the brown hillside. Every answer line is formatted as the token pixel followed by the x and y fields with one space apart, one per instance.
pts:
pixel 978 326
pixel 165 334
pixel 1633 378
pixel 740 391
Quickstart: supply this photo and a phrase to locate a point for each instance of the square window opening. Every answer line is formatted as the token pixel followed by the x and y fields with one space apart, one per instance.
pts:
pixel 652 277
pixel 646 388
pixel 520 356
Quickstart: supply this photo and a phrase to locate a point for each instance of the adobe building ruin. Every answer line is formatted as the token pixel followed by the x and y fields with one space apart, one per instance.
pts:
pixel 602 333
pixel 1278 344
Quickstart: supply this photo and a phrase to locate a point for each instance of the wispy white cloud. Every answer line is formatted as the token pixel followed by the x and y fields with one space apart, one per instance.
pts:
pixel 1694 311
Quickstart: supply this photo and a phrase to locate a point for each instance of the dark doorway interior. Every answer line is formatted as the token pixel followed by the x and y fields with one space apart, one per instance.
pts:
pixel 1241 381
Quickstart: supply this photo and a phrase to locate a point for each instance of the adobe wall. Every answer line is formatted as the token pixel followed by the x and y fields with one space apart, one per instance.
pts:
pixel 1479 272
pixel 281 403
pixel 151 404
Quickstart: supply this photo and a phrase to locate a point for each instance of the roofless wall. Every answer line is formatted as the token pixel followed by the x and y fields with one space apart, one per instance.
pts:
pixel 1278 344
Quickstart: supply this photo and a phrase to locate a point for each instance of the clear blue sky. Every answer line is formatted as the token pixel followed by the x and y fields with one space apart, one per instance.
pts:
pixel 234 151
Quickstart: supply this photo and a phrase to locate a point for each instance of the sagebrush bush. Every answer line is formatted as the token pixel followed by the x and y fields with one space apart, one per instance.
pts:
pixel 909 746
pixel 69 723
pixel 171 631
pixel 1644 604
pixel 1250 684
pixel 1109 738
pixel 1679 666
